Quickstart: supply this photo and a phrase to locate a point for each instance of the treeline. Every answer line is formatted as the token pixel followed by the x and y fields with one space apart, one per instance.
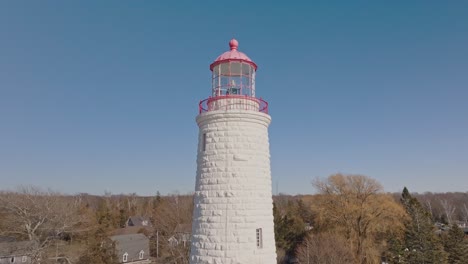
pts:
pixel 77 228
pixel 445 207
pixel 350 220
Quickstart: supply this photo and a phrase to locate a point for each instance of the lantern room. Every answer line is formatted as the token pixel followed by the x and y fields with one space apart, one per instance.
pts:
pixel 233 83
pixel 233 73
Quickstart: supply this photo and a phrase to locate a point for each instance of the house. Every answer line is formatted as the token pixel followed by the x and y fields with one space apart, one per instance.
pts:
pixel 7 239
pixel 16 252
pixel 146 230
pixel 132 248
pixel 182 234
pixel 138 221
pixel 136 224
pixel 442 228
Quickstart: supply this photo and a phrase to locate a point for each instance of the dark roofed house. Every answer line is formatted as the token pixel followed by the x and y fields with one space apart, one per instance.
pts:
pixel 134 225
pixel 146 230
pixel 16 252
pixel 132 248
pixel 138 221
pixel 7 239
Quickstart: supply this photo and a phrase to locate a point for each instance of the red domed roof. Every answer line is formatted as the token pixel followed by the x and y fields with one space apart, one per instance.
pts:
pixel 233 55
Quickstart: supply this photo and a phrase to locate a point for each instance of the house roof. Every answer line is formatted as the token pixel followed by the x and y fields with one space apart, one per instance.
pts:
pixel 7 239
pixel 183 228
pixel 19 248
pixel 131 244
pixel 139 221
pixel 133 230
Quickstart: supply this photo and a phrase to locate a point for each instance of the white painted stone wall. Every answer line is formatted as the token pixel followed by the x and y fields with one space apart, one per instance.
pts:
pixel 234 104
pixel 233 195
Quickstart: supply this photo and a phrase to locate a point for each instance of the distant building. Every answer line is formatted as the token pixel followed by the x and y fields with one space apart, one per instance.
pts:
pixel 7 239
pixel 16 252
pixel 146 230
pixel 135 225
pixel 442 228
pixel 181 235
pixel 138 221
pixel 132 248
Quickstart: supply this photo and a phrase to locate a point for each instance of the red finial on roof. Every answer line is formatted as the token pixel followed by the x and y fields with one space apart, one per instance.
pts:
pixel 234 44
pixel 233 55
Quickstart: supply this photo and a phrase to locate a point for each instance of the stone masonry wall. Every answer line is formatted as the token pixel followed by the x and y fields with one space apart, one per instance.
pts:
pixel 233 195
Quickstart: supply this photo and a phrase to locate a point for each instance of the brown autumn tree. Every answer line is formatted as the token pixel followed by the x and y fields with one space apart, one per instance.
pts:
pixel 355 207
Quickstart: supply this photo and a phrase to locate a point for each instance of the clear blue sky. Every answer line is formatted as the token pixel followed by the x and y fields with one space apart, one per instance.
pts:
pixel 102 95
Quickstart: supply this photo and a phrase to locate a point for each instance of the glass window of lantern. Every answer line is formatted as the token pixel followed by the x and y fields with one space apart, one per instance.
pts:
pixel 216 87
pixel 224 69
pixel 233 78
pixel 246 69
pixel 216 84
pixel 247 79
pixel 235 82
pixel 224 84
pixel 235 69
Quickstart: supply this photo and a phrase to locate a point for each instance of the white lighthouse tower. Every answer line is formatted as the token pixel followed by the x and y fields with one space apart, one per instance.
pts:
pixel 233 212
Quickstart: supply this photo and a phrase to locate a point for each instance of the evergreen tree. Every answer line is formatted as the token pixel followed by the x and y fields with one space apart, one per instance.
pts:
pixel 100 249
pixel 395 251
pixel 289 229
pixel 123 217
pixel 455 246
pixel 105 218
pixel 156 201
pixel 420 245
pixel 304 211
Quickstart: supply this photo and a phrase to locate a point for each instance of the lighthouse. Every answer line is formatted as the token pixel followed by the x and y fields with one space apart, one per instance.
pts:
pixel 233 206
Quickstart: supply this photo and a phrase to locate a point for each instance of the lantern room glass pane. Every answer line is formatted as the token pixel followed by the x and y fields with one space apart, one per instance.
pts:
pixel 224 69
pixel 224 81
pixel 216 70
pixel 233 78
pixel 234 87
pixel 235 68
pixel 246 69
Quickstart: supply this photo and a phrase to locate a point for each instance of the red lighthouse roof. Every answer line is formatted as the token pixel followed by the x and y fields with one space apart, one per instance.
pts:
pixel 233 55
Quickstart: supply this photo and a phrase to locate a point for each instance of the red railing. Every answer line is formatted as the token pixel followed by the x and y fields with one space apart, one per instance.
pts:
pixel 230 102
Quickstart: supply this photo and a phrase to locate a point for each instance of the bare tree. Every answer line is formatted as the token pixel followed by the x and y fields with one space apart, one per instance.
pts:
pixel 173 211
pixel 38 216
pixel 465 213
pixel 429 207
pixel 449 210
pixel 132 202
pixel 324 248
